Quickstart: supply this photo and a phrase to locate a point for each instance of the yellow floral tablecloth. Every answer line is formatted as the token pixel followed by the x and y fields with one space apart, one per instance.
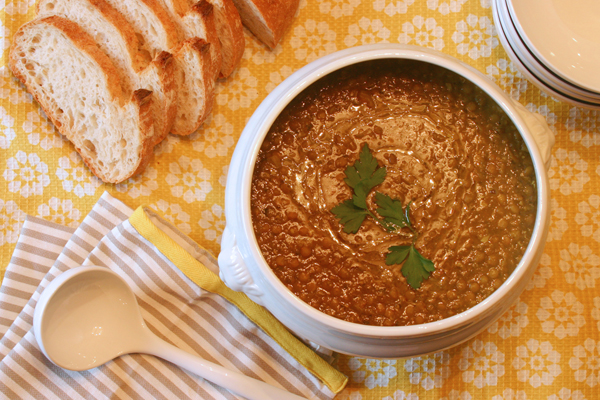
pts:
pixel 547 346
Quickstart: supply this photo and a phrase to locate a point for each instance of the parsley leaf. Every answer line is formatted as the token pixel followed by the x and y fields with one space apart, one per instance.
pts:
pixel 363 176
pixel 397 254
pixel 416 268
pixel 391 210
pixel 350 215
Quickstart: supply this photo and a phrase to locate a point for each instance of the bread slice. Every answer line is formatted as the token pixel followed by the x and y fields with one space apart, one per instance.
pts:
pixel 197 21
pixel 231 35
pixel 196 90
pixel 159 77
pixel 200 55
pixel 108 27
pixel 151 23
pixel 73 81
pixel 159 32
pixel 117 38
pixel 267 19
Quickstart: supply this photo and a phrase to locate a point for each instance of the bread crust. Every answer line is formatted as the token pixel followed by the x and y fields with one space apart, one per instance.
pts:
pixel 231 35
pixel 137 106
pixel 142 99
pixel 111 16
pixel 82 41
pixel 164 67
pixel 163 41
pixel 267 19
pixel 101 20
pixel 196 52
pixel 206 16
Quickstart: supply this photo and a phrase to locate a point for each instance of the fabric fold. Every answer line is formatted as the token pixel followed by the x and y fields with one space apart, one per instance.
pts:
pixel 182 300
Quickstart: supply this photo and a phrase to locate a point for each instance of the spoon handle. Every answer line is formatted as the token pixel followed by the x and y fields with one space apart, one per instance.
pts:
pixel 235 382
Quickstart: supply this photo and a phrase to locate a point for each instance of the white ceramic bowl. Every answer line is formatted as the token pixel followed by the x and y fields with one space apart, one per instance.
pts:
pixel 531 67
pixel 243 267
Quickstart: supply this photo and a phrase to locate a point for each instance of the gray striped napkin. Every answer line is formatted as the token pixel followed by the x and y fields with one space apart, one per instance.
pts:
pixel 192 310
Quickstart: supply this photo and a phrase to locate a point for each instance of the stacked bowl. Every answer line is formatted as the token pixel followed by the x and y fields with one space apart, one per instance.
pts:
pixel 555 44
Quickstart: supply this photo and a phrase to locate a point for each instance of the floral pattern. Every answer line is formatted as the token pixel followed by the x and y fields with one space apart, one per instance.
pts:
pixel 588 217
pixel 580 266
pixel 401 395
pixel 240 90
pixel 313 40
pixel 596 311
pixel 422 32
pixel 585 362
pixel 338 8
pixel 11 220
pixel 537 363
pixel 213 223
pixel 508 77
pixel 7 134
pixel 75 177
pixel 542 274
pixel 10 88
pixel 512 322
pixel 173 213
pixel 26 174
pixel 60 211
pixel 584 127
pixel 475 36
pixel 41 131
pixel 561 314
pixel 482 364
pixel 366 32
pixel 374 373
pixel 216 139
pixel 545 346
pixel 276 77
pixel 559 224
pixel 568 172
pixel 141 185
pixel 567 394
pixel 446 7
pixel 428 372
pixel 392 8
pixel 189 179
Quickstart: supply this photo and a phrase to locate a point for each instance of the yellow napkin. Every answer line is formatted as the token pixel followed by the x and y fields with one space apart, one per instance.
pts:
pixel 182 300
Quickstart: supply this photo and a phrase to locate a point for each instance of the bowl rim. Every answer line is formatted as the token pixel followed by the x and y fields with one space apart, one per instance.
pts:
pixel 264 116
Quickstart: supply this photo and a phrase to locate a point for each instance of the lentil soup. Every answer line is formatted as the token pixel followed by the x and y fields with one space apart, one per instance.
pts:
pixel 449 152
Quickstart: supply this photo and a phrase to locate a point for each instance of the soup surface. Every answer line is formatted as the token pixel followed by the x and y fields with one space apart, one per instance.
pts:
pixel 449 156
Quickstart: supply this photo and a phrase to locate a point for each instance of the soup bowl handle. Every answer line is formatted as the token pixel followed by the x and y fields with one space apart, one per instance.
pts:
pixel 541 132
pixel 233 271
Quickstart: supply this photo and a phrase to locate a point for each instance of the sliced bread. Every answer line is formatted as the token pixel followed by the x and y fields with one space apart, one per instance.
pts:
pixel 231 35
pixel 159 77
pixel 157 30
pixel 196 85
pixel 198 21
pixel 73 81
pixel 151 23
pixel 267 19
pixel 115 35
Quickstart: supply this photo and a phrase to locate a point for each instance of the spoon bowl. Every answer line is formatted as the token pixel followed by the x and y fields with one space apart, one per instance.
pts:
pixel 88 316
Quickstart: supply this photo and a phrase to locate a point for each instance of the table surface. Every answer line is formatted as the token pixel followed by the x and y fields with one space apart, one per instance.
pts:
pixel 546 346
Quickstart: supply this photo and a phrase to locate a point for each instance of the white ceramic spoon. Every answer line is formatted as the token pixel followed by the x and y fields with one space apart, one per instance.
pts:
pixel 88 315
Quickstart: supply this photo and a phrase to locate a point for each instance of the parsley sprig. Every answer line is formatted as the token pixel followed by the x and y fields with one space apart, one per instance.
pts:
pixel 363 176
